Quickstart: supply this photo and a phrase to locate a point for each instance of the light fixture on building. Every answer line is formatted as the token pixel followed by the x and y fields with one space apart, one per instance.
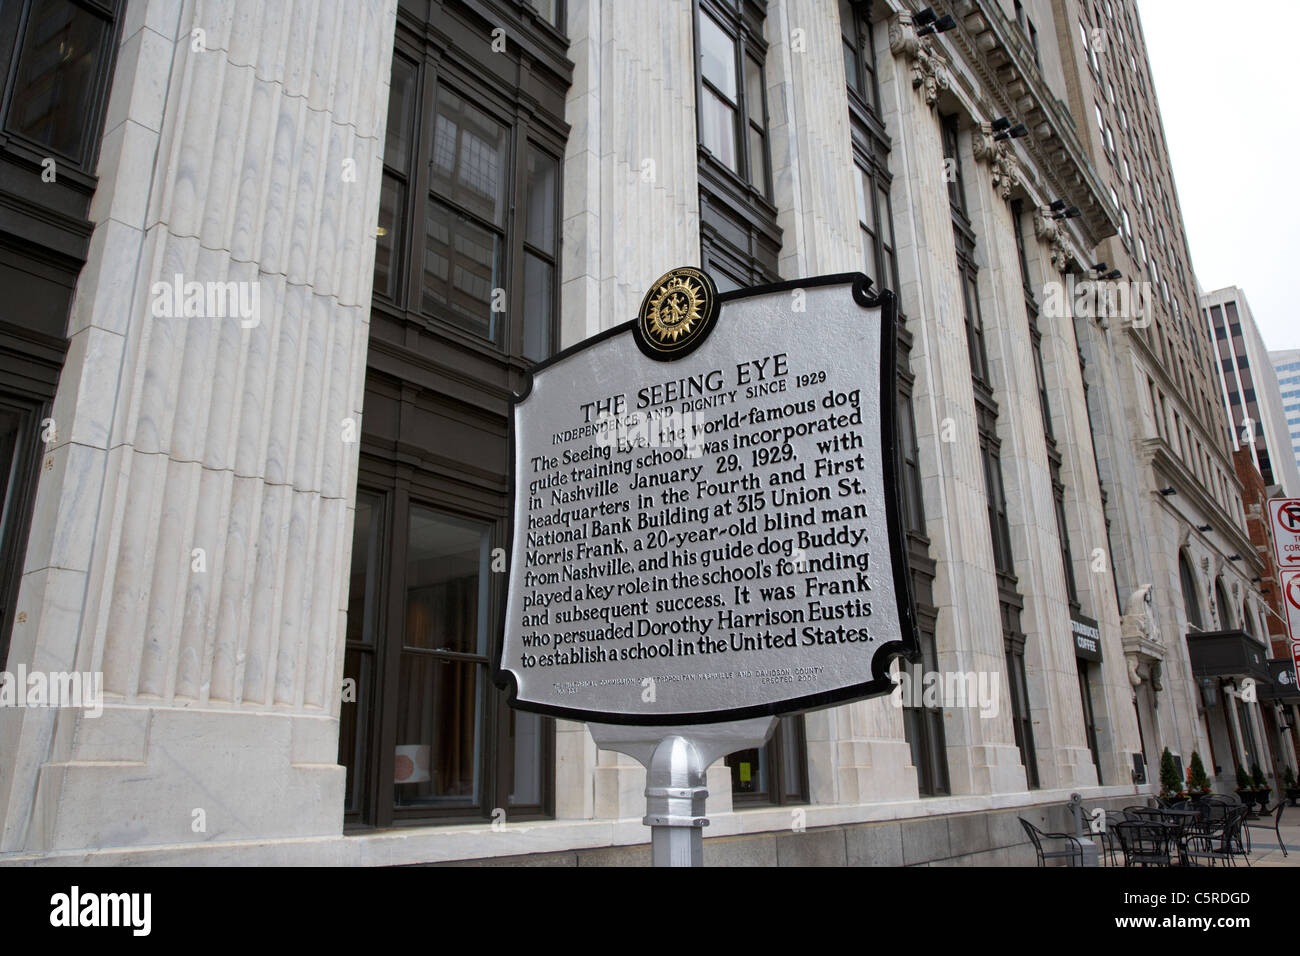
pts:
pixel 1061 211
pixel 1234 557
pixel 1003 130
pixel 1204 527
pixel 1113 274
pixel 1171 490
pixel 1255 580
pixel 927 22
pixel 1209 697
pixel 1099 267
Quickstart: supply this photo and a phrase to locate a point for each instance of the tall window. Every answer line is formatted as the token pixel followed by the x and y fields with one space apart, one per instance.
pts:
pixel 1221 603
pixel 20 418
pixel 922 724
pixel 740 241
pixel 58 51
pixel 1191 604
pixel 1089 717
pixel 465 299
pixel 469 213
pixel 56 63
pixel 1010 602
pixel 858 38
pixel 733 118
pixel 440 743
pixel 1054 458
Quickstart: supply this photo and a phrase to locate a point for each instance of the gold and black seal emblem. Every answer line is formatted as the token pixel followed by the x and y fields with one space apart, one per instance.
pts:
pixel 677 313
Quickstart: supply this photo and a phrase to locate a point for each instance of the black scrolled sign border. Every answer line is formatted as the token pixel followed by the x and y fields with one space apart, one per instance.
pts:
pixel 908 648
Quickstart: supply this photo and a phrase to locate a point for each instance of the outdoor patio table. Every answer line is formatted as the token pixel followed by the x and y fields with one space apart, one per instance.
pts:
pixel 1181 821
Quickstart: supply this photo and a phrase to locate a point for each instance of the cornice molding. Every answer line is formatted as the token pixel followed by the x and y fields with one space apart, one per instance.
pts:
pixel 1012 86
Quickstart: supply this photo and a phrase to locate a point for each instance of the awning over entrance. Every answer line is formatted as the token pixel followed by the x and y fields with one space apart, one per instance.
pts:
pixel 1228 654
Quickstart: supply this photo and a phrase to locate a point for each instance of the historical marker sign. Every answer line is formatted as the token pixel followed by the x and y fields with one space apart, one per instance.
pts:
pixel 1284 523
pixel 706 518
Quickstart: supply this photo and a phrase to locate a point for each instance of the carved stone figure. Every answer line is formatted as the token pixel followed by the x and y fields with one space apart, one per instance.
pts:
pixel 1047 230
pixel 1139 621
pixel 1002 162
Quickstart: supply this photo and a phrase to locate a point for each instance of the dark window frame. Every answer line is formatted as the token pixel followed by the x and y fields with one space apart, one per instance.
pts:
pixel 82 162
pixel 1190 589
pixel 923 726
pixel 437 396
pixel 398 490
pixel 782 788
pixel 527 129
pixel 740 241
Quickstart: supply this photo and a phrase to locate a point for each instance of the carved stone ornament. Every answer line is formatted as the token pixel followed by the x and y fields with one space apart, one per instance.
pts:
pixel 1134 678
pixel 1001 161
pixel 1048 230
pixel 928 74
pixel 1157 684
pixel 1139 622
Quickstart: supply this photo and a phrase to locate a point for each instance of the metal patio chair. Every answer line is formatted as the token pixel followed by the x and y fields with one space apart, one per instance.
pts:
pixel 1145 843
pixel 1072 852
pixel 1207 843
pixel 1276 827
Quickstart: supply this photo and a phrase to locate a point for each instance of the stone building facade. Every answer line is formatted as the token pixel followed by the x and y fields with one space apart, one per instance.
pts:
pixel 269 525
pixel 1165 444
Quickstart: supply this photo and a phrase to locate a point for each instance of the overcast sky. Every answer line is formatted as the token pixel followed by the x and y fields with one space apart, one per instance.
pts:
pixel 1226 94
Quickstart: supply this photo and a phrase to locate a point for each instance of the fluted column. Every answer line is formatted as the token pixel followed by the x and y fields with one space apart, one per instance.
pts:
pixel 631 213
pixel 193 523
pixel 981 750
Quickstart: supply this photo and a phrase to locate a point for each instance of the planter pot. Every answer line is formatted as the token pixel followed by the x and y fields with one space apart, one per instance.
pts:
pixel 1293 794
pixel 1262 796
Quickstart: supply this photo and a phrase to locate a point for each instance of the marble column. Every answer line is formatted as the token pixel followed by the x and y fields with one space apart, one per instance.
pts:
pixel 631 213
pixel 193 523
pixel 981 751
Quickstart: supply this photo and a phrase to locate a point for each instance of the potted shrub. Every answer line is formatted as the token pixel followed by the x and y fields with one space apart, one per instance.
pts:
pixel 1245 790
pixel 1289 782
pixel 1263 792
pixel 1171 785
pixel 1198 781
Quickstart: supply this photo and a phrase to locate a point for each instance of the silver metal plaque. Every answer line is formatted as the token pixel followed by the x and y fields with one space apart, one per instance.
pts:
pixel 715 536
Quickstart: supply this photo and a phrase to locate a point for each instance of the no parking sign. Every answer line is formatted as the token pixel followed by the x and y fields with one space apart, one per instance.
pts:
pixel 1284 523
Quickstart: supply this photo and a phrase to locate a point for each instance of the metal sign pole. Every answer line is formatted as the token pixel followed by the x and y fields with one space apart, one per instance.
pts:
pixel 676 760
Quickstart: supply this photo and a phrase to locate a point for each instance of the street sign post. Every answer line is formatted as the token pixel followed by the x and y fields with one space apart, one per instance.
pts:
pixel 1284 524
pixel 707 529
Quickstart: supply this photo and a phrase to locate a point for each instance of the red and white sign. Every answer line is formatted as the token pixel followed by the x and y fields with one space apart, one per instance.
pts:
pixel 1291 598
pixel 1295 659
pixel 1284 524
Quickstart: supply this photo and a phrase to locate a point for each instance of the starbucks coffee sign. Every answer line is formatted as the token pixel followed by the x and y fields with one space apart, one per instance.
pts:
pixel 706 521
